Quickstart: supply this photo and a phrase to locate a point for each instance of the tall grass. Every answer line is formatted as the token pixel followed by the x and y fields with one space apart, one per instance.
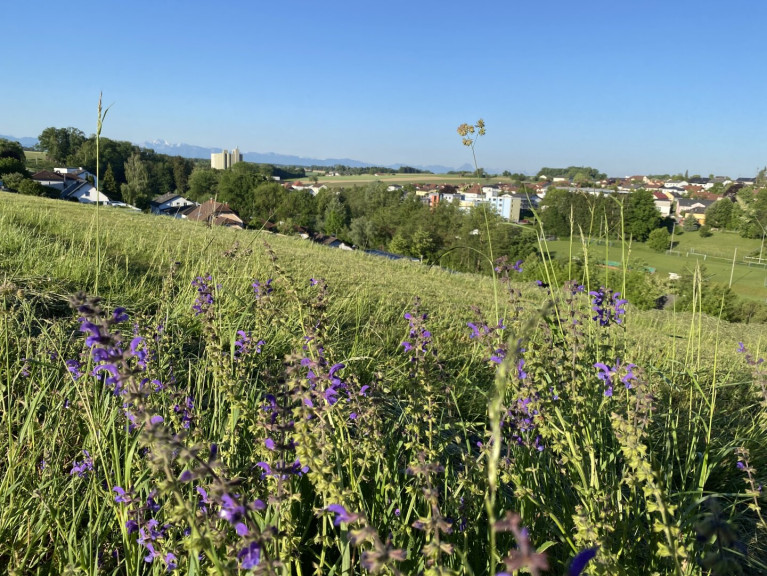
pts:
pixel 284 408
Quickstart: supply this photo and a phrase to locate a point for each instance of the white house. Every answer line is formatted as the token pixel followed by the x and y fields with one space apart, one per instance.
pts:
pixel 50 179
pixel 662 203
pixel 86 193
pixel 170 204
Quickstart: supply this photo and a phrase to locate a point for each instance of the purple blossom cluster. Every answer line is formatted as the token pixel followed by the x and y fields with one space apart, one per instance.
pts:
pixel 230 508
pixel 82 467
pixel 419 337
pixel 262 291
pixel 503 266
pixel 490 336
pixel 205 299
pixel 611 375
pixel 520 422
pixel 608 306
pixel 105 343
pixel 184 410
pixel 244 345
pixel 149 533
pixel 279 442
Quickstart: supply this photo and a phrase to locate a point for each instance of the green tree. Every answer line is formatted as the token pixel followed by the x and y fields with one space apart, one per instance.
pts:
pixel 362 232
pixel 12 149
pixel 299 207
pixel 61 143
pixel 203 184
pixel 690 223
pixel 719 214
pixel 640 214
pixel 399 245
pixel 705 231
pixel 108 184
pixel 423 245
pixel 136 190
pixel 236 186
pixel 182 170
pixel 13 180
pixel 336 217
pixel 659 240
pixel 580 179
pixel 10 165
pixel 267 198
pixel 32 188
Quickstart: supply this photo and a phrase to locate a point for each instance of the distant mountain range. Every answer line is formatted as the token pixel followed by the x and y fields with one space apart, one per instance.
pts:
pixel 192 151
pixel 25 142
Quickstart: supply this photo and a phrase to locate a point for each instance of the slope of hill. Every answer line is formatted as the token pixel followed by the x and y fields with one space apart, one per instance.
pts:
pixel 243 400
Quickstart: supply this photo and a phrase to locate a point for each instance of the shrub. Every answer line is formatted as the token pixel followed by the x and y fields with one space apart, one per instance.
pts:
pixel 659 240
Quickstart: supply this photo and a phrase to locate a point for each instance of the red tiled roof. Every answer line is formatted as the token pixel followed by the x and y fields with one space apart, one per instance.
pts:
pixel 212 211
pixel 47 175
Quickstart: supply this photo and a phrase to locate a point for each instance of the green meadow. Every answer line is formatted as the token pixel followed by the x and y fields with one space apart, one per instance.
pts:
pixel 715 253
pixel 402 179
pixel 179 398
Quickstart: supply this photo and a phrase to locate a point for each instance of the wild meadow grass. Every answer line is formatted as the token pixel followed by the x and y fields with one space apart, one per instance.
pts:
pixel 240 402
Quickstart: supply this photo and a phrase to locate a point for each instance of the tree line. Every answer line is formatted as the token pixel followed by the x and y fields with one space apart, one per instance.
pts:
pixel 128 172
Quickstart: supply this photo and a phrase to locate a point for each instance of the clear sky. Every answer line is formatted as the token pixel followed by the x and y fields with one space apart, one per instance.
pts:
pixel 627 87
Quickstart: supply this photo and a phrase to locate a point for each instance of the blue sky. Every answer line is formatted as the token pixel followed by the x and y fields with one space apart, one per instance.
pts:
pixel 626 87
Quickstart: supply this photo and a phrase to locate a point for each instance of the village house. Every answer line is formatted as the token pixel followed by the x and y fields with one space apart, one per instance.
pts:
pixel 73 184
pixel 697 208
pixel 170 204
pixel 215 213
pixel 662 203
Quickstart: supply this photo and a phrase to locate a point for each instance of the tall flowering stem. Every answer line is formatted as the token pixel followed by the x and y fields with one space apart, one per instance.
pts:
pixel 469 135
pixel 102 114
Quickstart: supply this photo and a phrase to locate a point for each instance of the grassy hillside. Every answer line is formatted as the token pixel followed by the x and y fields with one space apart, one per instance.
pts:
pixel 239 401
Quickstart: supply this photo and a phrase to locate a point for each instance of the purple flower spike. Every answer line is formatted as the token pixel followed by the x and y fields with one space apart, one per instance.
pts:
pixel 121 496
pixel 579 562
pixel 342 515
pixel 171 562
pixel 249 556
pixel 120 315
pixel 241 529
pixel 231 510
pixel 186 476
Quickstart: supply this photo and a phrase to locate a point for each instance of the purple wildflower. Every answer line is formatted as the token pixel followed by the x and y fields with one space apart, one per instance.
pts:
pixel 121 495
pixel 579 562
pixel 204 300
pixel 171 562
pixel 249 556
pixel 73 367
pixel 342 515
pixel 607 374
pixel 521 374
pixel 262 290
pixel 82 468
pixel 608 306
pixel 231 510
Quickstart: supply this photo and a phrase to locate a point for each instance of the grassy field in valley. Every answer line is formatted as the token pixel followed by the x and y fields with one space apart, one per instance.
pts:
pixel 243 402
pixel 715 253
pixel 362 179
